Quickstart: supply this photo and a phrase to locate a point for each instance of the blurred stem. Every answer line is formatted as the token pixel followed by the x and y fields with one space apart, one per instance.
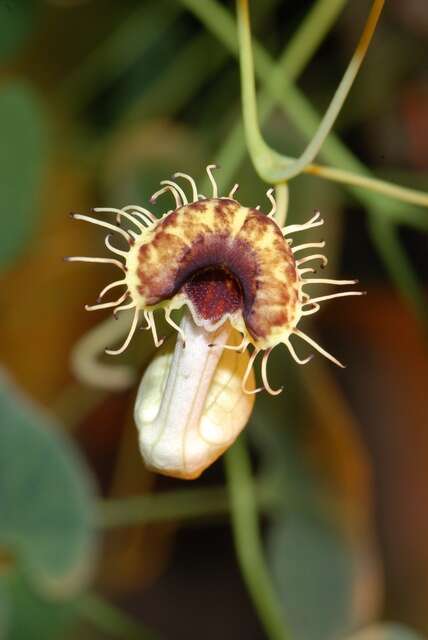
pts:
pixel 123 46
pixel 175 86
pixel 269 164
pixel 385 236
pixel 314 27
pixel 186 504
pixel 87 361
pixel 111 620
pixel 173 505
pixel 248 541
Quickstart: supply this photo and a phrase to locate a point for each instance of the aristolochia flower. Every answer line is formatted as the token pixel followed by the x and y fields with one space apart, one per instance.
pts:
pixel 230 265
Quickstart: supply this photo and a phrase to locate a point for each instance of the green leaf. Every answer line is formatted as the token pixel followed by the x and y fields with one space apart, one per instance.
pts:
pixel 387 631
pixel 23 158
pixel 32 616
pixel 17 19
pixel 313 570
pixel 46 506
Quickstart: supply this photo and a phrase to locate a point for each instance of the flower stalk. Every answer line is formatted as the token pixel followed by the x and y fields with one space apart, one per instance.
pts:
pixel 248 542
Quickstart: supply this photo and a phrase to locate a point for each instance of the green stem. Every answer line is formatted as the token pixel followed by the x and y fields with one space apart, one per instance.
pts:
pixel 172 505
pixel 282 197
pixel 111 620
pixel 261 154
pixel 272 166
pixel 281 90
pixel 296 55
pixel 394 191
pixel 175 86
pixel 248 541
pixel 134 35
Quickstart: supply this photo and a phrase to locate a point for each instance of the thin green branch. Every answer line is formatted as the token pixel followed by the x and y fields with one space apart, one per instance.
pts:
pixel 174 87
pixel 172 505
pixel 383 187
pixel 311 32
pixel 248 542
pixel 262 156
pixel 270 165
pixel 124 45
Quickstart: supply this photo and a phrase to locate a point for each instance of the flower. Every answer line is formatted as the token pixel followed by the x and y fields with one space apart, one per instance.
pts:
pixel 241 279
pixel 226 262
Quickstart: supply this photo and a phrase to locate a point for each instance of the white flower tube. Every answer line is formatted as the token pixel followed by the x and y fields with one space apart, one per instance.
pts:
pixel 190 405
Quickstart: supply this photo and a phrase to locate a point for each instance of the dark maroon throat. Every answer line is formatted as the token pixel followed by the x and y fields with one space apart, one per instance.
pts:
pixel 218 274
pixel 214 291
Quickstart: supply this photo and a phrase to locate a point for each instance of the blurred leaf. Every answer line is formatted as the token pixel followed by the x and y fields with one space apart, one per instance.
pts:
pixel 45 498
pixel 31 616
pixel 392 407
pixel 62 289
pixel 17 18
pixel 23 157
pixel 385 632
pixel 133 557
pixel 313 570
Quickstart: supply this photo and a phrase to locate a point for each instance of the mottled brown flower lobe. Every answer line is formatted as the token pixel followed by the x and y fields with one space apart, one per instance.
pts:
pixel 224 259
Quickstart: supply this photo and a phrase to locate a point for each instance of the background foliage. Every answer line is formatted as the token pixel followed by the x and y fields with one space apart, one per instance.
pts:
pixel 316 526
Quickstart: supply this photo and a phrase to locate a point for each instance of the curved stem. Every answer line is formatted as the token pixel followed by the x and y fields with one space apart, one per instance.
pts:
pixel 270 164
pixel 293 60
pixel 261 154
pixel 277 80
pixel 248 542
pixel 86 360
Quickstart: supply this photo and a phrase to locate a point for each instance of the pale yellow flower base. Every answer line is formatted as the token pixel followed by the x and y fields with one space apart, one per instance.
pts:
pixel 190 405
